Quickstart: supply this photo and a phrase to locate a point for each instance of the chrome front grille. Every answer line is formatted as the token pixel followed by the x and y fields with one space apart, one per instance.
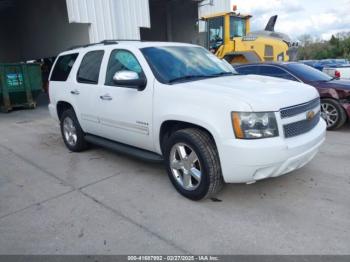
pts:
pixel 301 127
pixel 310 118
pixel 296 110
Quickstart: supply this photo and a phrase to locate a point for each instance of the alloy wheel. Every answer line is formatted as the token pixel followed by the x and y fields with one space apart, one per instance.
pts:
pixel 185 166
pixel 330 114
pixel 70 131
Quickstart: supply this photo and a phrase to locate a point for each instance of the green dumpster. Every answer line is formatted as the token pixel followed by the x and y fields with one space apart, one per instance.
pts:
pixel 20 85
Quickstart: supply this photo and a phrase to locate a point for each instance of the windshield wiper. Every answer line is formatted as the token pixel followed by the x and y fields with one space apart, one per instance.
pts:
pixel 189 77
pixel 223 74
pixel 192 77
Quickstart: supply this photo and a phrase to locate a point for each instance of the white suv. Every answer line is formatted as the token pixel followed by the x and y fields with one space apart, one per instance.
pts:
pixel 180 104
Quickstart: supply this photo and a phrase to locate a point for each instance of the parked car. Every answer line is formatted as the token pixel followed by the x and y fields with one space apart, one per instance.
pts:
pixel 180 104
pixel 335 94
pixel 325 63
pixel 338 71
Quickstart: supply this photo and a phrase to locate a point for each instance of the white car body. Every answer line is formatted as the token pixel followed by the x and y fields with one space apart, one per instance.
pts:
pixel 135 118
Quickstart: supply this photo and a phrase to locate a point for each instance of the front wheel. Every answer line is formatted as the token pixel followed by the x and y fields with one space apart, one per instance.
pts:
pixel 193 164
pixel 333 113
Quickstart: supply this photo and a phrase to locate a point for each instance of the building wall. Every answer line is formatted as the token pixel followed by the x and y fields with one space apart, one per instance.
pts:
pixel 41 28
pixel 207 7
pixel 110 19
pixel 158 30
pixel 35 29
pixel 172 21
pixel 122 19
pixel 45 30
pixel 9 43
pixel 184 18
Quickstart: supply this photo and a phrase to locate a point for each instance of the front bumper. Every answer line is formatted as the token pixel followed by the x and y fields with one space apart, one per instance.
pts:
pixel 247 161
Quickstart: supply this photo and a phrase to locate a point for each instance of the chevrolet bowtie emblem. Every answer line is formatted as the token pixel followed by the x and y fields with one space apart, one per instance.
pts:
pixel 310 115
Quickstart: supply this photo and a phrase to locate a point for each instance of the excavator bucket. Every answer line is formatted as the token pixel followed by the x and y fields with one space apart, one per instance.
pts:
pixel 271 24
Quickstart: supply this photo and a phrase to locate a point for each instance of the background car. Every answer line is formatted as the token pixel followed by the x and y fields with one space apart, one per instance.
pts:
pixel 334 93
pixel 325 63
pixel 339 71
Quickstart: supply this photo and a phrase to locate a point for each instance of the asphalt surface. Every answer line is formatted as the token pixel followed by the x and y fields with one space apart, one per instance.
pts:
pixel 99 202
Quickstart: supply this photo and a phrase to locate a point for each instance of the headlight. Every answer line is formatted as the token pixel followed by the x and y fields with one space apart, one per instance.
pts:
pixel 254 125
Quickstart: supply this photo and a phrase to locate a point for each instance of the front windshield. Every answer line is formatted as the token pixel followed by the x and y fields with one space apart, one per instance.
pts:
pixel 308 73
pixel 172 64
pixel 238 27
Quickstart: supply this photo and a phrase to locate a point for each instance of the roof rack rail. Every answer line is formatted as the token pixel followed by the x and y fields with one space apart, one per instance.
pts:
pixel 82 46
pixel 122 39
pixel 109 42
pixel 104 42
pixel 115 41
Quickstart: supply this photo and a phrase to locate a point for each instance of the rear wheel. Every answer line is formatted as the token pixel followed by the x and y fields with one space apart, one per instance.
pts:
pixel 72 134
pixel 333 113
pixel 193 164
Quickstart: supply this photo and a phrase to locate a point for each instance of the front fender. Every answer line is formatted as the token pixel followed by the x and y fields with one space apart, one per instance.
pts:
pixel 187 119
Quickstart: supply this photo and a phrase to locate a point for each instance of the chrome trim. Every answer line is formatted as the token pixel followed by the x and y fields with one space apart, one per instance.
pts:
pixel 301 108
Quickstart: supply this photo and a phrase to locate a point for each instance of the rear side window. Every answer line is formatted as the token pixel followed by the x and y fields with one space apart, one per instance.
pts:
pixel 89 70
pixel 248 70
pixel 63 67
pixel 275 72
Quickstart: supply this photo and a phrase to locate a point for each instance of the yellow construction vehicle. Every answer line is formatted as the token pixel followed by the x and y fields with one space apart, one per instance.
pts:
pixel 229 37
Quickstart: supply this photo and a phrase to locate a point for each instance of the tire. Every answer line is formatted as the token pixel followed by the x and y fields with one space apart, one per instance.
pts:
pixel 203 184
pixel 333 113
pixel 72 134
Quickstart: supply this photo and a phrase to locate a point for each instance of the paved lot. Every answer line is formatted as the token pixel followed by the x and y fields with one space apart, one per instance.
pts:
pixel 99 202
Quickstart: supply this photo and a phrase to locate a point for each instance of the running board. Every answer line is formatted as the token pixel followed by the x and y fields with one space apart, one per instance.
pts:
pixel 125 149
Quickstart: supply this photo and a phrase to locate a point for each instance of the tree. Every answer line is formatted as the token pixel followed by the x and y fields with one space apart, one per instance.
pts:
pixel 337 47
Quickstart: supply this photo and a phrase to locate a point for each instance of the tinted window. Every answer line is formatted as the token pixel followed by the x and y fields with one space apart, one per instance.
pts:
pixel 308 73
pixel 89 70
pixel 275 72
pixel 63 67
pixel 172 64
pixel 248 70
pixel 121 60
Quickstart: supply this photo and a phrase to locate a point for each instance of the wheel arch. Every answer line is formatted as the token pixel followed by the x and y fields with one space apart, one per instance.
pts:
pixel 62 106
pixel 330 93
pixel 168 127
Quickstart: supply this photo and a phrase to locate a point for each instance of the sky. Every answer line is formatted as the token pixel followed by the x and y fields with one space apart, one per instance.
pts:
pixel 320 18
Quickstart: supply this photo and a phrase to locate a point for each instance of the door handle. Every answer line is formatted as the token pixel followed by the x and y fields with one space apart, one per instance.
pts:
pixel 75 92
pixel 106 97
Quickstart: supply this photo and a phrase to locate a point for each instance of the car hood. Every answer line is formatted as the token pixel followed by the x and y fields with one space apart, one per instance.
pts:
pixel 337 84
pixel 260 92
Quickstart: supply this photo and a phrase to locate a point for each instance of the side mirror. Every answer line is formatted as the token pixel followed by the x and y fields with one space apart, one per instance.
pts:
pixel 130 79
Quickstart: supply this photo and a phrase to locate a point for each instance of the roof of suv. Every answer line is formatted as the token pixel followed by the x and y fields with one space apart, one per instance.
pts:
pixel 124 43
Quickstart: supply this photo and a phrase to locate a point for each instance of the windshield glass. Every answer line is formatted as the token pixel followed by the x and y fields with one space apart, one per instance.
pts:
pixel 238 28
pixel 184 63
pixel 308 73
